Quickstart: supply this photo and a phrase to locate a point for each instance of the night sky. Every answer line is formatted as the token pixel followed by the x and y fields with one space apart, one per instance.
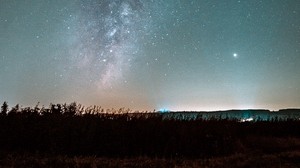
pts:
pixel 151 54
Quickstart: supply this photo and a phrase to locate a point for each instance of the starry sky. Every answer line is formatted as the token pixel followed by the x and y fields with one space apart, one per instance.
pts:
pixel 151 54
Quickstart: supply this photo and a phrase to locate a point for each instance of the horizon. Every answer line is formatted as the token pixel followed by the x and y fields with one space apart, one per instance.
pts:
pixel 162 110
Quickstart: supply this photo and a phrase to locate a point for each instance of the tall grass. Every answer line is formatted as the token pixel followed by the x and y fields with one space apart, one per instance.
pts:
pixel 73 130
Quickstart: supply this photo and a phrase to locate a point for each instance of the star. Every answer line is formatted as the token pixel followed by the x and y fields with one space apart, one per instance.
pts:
pixel 235 55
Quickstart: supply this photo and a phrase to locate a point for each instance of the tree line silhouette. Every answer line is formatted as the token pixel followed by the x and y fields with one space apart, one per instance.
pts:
pixel 71 129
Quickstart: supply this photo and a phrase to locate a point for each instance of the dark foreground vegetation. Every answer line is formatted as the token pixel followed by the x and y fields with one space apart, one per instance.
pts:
pixel 73 136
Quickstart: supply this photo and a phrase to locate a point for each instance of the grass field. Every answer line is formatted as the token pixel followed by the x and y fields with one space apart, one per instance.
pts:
pixel 288 159
pixel 64 136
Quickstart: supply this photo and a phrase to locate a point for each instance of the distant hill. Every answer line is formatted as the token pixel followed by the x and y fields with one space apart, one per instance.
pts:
pixel 243 115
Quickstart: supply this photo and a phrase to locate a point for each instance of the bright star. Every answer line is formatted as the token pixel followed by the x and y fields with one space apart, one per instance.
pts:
pixel 235 55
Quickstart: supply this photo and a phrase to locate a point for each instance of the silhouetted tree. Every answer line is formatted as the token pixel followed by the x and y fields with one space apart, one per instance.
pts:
pixel 4 108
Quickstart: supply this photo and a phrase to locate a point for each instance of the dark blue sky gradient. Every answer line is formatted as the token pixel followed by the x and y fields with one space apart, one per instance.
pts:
pixel 145 55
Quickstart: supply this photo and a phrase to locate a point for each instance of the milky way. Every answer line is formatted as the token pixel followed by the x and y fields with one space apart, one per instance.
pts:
pixel 107 38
